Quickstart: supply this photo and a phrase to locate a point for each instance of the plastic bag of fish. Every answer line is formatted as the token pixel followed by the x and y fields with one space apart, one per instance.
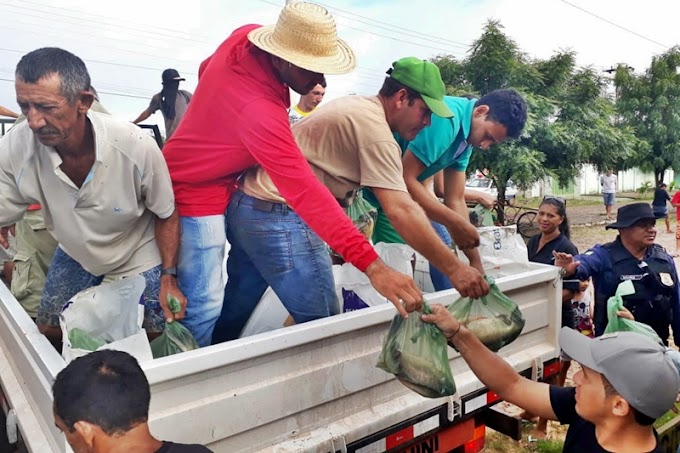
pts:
pixel 416 353
pixel 495 319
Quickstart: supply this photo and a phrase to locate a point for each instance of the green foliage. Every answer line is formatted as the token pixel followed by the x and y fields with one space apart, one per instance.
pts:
pixel 649 104
pixel 644 188
pixel 570 119
pixel 549 446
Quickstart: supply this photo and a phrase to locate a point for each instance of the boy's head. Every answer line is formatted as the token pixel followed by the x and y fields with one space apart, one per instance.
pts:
pixel 103 394
pixel 583 285
pixel 498 116
pixel 624 375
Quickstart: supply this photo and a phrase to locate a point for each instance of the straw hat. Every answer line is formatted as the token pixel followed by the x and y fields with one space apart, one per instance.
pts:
pixel 305 36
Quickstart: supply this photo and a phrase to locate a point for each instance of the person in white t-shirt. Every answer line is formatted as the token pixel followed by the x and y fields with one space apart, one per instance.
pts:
pixel 608 183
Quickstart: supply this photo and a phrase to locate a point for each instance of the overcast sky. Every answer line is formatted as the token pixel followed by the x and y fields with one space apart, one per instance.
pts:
pixel 127 44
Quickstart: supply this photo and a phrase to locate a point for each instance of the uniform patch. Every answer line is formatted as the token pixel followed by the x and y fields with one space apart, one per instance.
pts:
pixel 589 252
pixel 666 278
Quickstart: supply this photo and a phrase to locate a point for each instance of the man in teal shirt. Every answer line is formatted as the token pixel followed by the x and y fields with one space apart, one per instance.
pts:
pixel 446 146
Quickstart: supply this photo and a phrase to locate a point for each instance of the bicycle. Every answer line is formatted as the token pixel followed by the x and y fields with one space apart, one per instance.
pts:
pixel 522 216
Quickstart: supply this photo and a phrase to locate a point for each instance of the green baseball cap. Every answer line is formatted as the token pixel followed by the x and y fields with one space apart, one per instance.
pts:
pixel 425 78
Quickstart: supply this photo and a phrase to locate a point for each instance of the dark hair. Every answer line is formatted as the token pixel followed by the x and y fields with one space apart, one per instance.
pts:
pixel 640 418
pixel 322 83
pixel 44 62
pixel 168 97
pixel 662 184
pixel 508 108
pixel 391 86
pixel 106 388
pixel 561 211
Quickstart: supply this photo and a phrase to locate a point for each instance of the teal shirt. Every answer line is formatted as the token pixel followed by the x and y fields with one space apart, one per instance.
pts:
pixel 444 143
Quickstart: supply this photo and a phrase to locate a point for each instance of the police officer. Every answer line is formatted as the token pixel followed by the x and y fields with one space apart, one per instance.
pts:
pixel 632 256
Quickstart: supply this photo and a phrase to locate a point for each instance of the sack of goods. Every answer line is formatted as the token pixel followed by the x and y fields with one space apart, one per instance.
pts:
pixel 175 337
pixel 495 319
pixel 416 353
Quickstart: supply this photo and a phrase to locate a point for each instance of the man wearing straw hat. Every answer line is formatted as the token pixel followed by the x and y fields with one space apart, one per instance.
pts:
pixel 349 143
pixel 237 119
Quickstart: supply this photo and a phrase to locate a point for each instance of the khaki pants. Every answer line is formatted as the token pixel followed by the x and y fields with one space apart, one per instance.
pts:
pixel 35 247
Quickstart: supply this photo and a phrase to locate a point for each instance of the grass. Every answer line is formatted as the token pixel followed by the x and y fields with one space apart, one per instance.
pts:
pixel 665 418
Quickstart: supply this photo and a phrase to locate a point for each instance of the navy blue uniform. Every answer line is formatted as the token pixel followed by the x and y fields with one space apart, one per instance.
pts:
pixel 656 301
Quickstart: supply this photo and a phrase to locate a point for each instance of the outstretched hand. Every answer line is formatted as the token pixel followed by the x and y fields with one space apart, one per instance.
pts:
pixel 398 288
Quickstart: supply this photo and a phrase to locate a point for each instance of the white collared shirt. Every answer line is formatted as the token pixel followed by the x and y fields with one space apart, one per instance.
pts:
pixel 107 225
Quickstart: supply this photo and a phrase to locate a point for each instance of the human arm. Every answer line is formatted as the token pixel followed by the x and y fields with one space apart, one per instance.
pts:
pixel 7 112
pixel 675 308
pixel 491 369
pixel 409 220
pixel 265 131
pixel 476 196
pixel 154 105
pixel 464 235
pixel 167 239
pixel 583 266
pixel 12 203
pixel 157 193
pixel 142 116
pixel 675 201
pixel 454 198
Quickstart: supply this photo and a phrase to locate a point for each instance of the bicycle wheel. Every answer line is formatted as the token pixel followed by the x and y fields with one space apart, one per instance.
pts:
pixel 527 225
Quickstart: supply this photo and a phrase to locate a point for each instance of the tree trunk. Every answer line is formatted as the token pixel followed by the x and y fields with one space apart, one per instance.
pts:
pixel 658 176
pixel 500 203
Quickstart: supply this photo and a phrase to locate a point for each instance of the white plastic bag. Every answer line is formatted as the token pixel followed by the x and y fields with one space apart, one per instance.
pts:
pixel 357 288
pixel 113 312
pixel 502 250
pixel 270 314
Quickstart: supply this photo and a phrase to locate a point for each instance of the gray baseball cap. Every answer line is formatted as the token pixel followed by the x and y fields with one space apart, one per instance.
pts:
pixel 638 367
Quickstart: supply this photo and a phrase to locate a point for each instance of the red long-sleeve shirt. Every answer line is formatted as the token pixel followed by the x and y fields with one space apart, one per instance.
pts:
pixel 238 118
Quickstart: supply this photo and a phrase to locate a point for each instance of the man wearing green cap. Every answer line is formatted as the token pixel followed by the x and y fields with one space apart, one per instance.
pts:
pixel 446 146
pixel 349 144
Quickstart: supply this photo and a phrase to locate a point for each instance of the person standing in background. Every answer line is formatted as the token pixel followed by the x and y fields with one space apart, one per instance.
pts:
pixel 659 207
pixel 307 103
pixel 608 183
pixel 171 101
pixel 675 202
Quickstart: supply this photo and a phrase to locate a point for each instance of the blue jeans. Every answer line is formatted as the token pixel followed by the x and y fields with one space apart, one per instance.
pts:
pixel 199 273
pixel 440 281
pixel 609 199
pixel 272 246
pixel 66 278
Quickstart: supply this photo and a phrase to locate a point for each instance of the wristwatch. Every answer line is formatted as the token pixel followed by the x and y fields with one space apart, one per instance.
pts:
pixel 169 271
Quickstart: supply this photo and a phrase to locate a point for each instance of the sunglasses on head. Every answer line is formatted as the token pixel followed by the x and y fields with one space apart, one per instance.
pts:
pixel 560 200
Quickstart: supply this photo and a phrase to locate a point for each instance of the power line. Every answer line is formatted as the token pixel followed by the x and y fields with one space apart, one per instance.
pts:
pixel 615 24
pixel 23 52
pixel 449 51
pixel 426 36
pixel 98 91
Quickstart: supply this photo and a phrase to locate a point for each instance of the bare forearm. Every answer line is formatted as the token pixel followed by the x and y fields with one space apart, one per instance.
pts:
pixel 412 224
pixel 433 208
pixel 142 116
pixel 489 367
pixel 167 239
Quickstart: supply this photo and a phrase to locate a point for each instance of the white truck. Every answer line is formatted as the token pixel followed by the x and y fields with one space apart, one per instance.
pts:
pixel 307 388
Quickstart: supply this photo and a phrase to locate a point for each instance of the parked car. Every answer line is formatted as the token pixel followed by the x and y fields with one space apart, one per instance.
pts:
pixel 487 186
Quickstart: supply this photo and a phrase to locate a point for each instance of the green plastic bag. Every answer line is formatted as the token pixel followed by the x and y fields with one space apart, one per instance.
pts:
pixel 481 216
pixel 175 338
pixel 495 319
pixel 363 215
pixel 416 353
pixel 617 324
pixel 80 339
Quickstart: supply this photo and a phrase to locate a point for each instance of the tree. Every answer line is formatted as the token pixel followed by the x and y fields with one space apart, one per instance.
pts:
pixel 649 103
pixel 570 120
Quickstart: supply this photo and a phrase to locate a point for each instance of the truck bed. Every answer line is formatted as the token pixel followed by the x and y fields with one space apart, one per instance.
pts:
pixel 309 387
